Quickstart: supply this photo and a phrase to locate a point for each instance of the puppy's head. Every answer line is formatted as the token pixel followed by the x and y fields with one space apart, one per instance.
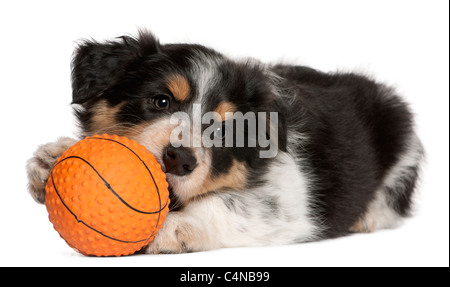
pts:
pixel 159 94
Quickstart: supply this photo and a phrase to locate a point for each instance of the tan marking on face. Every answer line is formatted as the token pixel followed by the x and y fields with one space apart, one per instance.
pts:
pixel 235 179
pixel 225 107
pixel 104 121
pixel 200 182
pixel 104 118
pixel 179 87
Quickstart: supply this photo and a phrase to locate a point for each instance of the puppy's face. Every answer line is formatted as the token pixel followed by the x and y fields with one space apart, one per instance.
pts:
pixel 158 94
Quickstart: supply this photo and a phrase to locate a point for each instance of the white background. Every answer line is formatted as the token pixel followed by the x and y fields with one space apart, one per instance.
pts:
pixel 404 43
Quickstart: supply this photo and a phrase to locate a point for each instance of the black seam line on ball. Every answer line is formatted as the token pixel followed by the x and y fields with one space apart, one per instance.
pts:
pixel 157 189
pixel 151 174
pixel 110 188
pixel 90 227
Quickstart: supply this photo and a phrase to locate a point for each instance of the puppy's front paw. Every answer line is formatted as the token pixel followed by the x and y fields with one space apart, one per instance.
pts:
pixel 176 236
pixel 40 165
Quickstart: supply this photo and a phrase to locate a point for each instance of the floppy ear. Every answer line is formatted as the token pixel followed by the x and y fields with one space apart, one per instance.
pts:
pixel 96 66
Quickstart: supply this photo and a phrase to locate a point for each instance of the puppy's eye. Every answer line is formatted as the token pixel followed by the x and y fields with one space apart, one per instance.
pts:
pixel 219 132
pixel 161 102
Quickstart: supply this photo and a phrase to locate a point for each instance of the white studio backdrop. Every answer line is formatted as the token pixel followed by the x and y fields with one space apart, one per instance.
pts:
pixel 403 43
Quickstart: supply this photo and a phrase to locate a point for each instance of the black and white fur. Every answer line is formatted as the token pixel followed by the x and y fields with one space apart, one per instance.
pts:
pixel 348 156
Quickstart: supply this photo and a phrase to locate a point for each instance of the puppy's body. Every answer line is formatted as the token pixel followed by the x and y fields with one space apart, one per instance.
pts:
pixel 347 157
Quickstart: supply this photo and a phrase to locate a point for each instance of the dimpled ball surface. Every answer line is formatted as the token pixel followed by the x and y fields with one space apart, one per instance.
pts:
pixel 107 196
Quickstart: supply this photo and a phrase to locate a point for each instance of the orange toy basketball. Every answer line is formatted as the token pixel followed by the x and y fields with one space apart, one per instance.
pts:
pixel 107 196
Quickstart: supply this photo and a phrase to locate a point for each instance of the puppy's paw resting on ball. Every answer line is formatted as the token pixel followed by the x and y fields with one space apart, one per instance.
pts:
pixel 40 165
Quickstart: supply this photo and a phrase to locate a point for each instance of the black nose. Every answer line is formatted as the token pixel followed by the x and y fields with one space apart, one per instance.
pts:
pixel 179 161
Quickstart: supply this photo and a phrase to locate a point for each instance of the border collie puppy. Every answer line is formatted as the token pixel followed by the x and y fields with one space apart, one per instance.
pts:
pixel 346 155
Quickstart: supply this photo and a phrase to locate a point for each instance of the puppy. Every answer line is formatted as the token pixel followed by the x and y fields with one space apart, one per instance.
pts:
pixel 343 157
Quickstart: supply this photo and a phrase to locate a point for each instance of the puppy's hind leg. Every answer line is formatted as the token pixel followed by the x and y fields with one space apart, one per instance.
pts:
pixel 394 200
